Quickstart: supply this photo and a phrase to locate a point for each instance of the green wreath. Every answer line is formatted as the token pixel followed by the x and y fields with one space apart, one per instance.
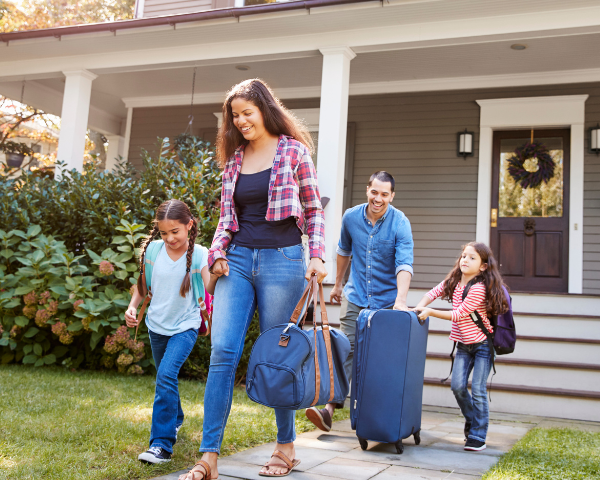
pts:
pixel 531 164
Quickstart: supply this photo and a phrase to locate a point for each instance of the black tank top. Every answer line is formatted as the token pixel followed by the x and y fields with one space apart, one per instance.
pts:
pixel 251 199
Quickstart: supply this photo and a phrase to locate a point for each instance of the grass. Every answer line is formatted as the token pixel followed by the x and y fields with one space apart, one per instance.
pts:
pixel 550 454
pixel 61 425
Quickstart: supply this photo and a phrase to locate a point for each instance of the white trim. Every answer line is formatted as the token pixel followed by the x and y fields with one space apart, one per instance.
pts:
pixel 401 86
pixel 139 8
pixel 127 140
pixel 559 111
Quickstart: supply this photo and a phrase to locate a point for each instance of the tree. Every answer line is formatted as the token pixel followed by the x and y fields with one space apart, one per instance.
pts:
pixel 35 14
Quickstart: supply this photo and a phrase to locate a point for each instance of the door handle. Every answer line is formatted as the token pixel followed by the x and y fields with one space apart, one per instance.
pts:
pixel 494 218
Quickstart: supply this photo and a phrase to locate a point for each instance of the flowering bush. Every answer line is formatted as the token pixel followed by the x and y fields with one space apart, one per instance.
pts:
pixel 68 258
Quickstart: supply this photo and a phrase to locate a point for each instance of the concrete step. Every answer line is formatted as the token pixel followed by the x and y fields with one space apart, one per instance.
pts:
pixel 558 350
pixel 584 377
pixel 560 403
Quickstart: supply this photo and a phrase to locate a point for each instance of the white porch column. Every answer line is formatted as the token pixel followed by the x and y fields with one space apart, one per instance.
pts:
pixel 74 118
pixel 116 149
pixel 333 124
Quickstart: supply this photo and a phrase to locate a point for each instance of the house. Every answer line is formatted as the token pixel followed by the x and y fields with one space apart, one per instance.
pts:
pixel 384 85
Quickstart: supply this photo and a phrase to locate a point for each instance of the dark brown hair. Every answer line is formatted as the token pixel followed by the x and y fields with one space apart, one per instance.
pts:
pixel 490 277
pixel 170 210
pixel 278 119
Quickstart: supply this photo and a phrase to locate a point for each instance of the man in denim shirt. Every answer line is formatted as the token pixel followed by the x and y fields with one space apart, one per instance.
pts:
pixel 379 239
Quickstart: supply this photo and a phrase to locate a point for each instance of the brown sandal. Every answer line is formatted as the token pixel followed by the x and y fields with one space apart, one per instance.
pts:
pixel 206 475
pixel 287 463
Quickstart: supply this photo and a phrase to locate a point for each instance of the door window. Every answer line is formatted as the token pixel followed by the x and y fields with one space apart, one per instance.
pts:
pixel 545 200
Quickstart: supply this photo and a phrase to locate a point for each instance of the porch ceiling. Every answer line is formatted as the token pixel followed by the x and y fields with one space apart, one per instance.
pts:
pixel 303 74
pixel 443 41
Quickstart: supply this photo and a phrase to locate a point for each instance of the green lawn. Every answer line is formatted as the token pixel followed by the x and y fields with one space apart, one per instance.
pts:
pixel 60 425
pixel 551 454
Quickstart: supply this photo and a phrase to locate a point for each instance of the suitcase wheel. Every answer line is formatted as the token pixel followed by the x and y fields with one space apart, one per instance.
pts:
pixel 417 437
pixel 399 447
pixel 363 443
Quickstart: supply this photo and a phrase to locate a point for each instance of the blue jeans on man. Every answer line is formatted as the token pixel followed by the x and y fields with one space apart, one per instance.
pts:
pixel 169 353
pixel 475 358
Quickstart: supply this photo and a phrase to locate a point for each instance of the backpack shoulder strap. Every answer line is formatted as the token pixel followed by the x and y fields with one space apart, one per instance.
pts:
pixel 200 254
pixel 149 259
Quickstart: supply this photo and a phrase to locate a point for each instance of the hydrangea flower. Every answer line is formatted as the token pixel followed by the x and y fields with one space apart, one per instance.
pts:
pixel 29 311
pixel 76 305
pixel 59 328
pixel 86 323
pixel 52 307
pixel 136 348
pixel 135 370
pixel 30 298
pixel 41 317
pixel 106 268
pixel 108 362
pixel 1 330
pixel 14 331
pixel 124 361
pixel 66 338
pixel 44 297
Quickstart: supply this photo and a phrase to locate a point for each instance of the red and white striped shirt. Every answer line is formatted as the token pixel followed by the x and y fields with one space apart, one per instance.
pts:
pixel 464 329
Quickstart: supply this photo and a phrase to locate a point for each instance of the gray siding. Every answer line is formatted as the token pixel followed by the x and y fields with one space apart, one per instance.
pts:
pixel 413 136
pixel 156 8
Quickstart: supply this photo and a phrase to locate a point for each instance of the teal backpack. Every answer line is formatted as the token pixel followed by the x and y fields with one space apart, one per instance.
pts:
pixel 197 283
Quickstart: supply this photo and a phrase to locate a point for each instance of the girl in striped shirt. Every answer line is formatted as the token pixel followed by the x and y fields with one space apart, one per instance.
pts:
pixel 477 268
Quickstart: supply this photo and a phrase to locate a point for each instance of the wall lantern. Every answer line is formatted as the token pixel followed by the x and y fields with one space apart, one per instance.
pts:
pixel 595 139
pixel 464 144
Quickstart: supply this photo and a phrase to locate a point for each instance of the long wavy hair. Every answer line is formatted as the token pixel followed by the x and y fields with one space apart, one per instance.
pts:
pixel 170 210
pixel 278 119
pixel 491 278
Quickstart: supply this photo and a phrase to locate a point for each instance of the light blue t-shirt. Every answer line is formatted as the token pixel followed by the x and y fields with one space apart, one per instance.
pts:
pixel 169 313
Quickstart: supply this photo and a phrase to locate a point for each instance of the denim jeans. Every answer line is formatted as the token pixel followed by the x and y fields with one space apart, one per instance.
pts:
pixel 271 279
pixel 476 358
pixel 169 353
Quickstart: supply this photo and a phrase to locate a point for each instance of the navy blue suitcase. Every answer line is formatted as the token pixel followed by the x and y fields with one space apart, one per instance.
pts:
pixel 387 376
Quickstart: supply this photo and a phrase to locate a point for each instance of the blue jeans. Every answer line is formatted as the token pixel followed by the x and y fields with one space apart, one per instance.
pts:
pixel 271 279
pixel 169 354
pixel 477 358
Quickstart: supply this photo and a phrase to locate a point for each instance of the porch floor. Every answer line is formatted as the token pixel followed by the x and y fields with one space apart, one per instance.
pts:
pixel 337 454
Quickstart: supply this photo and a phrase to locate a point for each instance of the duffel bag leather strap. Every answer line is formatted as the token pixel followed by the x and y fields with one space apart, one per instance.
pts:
pixel 313 281
pixel 300 304
pixel 327 338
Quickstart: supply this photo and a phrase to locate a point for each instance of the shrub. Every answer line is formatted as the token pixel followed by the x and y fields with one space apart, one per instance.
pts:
pixel 68 255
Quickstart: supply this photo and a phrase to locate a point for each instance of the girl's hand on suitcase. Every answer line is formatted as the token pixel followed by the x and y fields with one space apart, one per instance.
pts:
pixel 423 313
pixel 131 317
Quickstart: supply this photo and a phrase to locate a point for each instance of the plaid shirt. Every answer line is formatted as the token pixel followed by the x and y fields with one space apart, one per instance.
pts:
pixel 293 192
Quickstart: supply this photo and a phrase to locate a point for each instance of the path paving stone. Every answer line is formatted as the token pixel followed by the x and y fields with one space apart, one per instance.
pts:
pixel 348 469
pixel 336 455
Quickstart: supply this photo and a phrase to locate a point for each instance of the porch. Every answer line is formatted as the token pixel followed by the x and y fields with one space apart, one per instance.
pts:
pixel 387 85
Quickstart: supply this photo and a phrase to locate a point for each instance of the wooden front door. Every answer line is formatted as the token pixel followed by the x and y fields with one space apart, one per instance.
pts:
pixel 531 236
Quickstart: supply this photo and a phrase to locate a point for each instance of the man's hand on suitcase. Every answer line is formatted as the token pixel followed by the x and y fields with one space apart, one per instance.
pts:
pixel 401 305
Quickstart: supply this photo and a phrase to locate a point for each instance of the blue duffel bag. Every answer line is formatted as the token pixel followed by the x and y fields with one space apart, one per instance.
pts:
pixel 294 369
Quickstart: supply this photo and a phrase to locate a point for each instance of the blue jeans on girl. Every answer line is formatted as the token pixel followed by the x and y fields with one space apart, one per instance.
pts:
pixel 169 354
pixel 476 358
pixel 273 280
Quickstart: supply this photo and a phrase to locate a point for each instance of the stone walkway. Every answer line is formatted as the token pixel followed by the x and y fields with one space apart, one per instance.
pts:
pixel 337 454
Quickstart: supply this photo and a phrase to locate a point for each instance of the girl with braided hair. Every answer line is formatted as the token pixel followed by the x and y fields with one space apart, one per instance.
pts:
pixel 173 317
